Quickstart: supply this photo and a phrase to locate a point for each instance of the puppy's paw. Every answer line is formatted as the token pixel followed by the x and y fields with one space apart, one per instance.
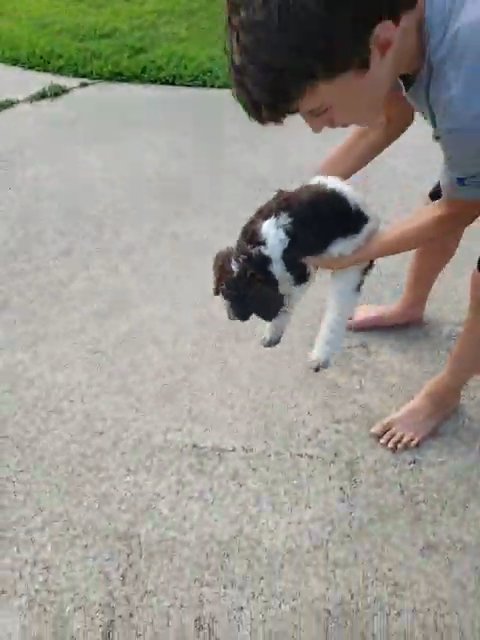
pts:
pixel 319 363
pixel 269 341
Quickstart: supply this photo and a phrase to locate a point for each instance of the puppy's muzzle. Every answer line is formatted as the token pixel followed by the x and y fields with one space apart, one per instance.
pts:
pixel 266 303
pixel 241 315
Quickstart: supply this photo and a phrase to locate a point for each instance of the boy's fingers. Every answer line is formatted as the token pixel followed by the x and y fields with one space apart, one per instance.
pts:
pixel 328 263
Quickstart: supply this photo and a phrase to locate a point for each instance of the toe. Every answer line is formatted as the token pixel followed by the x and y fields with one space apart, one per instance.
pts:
pixel 406 441
pixel 395 441
pixel 388 437
pixel 381 428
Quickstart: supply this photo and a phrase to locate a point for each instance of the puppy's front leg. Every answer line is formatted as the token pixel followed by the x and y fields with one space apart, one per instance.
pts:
pixel 276 329
pixel 345 288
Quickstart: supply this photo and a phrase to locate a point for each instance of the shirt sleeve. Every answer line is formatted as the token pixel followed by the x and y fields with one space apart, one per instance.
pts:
pixel 461 170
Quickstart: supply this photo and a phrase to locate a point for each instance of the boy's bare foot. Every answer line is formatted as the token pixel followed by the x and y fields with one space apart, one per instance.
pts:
pixel 368 317
pixel 420 418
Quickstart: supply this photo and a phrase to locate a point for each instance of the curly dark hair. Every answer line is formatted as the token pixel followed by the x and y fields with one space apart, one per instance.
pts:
pixel 278 48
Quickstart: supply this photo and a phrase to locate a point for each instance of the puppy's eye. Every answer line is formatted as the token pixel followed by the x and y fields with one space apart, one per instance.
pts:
pixel 255 276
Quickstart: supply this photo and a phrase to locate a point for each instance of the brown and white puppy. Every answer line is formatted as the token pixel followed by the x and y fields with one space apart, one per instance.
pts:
pixel 266 272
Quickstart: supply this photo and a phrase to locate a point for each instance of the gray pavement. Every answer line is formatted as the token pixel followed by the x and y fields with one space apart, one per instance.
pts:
pixel 161 470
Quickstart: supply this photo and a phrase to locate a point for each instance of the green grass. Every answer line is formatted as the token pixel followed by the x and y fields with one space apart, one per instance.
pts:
pixel 49 92
pixel 178 42
pixel 8 103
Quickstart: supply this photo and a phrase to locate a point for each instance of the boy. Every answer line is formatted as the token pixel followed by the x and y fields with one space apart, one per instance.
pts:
pixel 343 62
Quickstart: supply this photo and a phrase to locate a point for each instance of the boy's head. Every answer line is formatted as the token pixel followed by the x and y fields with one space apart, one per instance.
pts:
pixel 332 61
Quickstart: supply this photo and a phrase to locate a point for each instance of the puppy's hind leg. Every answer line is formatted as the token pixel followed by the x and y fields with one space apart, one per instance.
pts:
pixel 345 288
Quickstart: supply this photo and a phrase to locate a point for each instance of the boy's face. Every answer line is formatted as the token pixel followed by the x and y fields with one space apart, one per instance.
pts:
pixel 357 97
pixel 354 98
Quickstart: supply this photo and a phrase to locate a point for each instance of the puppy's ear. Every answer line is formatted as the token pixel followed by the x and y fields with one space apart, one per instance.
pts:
pixel 281 198
pixel 222 268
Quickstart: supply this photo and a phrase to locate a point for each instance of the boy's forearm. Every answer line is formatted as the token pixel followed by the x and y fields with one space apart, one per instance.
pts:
pixel 358 150
pixel 366 143
pixel 431 222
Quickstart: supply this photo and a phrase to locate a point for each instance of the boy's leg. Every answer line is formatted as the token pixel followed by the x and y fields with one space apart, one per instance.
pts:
pixel 427 264
pixel 440 397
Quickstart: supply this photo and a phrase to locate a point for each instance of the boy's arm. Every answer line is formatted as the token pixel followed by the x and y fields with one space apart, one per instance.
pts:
pixel 426 225
pixel 366 143
pixel 459 207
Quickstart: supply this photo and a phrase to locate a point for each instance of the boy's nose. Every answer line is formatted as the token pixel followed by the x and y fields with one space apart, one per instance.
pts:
pixel 317 127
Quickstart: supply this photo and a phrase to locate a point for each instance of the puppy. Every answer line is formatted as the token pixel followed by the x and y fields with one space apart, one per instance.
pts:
pixel 267 271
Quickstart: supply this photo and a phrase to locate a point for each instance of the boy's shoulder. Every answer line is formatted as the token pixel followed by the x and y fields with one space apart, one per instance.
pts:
pixel 450 78
pixel 447 90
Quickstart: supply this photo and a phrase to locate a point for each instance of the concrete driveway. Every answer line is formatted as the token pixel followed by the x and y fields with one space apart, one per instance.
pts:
pixel 164 474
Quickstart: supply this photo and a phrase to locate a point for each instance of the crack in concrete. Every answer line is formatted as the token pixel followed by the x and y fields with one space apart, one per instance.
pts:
pixel 52 91
pixel 248 451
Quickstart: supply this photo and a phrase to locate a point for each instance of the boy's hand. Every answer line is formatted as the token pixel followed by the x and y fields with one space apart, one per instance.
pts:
pixel 334 264
pixel 343 262
pixel 431 222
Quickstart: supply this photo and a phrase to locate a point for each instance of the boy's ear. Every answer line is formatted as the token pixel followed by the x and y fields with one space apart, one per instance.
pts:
pixel 222 268
pixel 383 38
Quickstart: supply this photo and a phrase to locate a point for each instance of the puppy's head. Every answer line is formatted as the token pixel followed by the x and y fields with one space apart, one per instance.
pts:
pixel 246 284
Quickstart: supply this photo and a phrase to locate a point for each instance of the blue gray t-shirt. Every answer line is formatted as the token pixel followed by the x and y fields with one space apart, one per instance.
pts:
pixel 447 91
